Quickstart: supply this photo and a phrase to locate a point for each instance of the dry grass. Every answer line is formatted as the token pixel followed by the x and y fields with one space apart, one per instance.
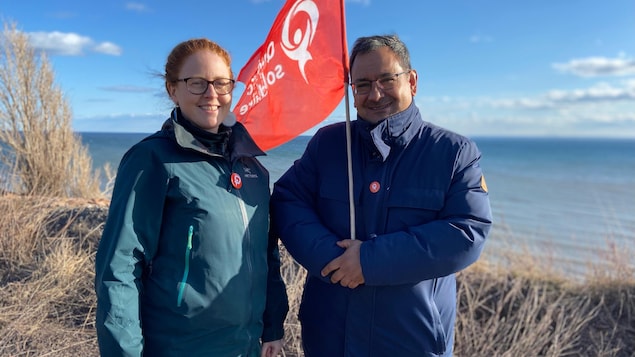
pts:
pixel 46 273
pixel 293 275
pixel 46 245
pixel 47 300
pixel 513 303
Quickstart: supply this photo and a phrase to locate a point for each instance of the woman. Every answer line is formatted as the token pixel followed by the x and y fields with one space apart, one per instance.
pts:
pixel 185 266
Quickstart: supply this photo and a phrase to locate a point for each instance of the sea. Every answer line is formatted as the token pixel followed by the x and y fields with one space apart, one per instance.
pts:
pixel 569 200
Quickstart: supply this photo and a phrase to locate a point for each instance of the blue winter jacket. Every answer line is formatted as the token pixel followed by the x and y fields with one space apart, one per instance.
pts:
pixel 422 211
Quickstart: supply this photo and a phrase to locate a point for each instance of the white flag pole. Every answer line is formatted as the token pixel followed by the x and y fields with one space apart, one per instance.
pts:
pixel 351 197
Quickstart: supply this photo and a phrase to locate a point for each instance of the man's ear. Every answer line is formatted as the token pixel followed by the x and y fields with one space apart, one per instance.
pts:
pixel 413 79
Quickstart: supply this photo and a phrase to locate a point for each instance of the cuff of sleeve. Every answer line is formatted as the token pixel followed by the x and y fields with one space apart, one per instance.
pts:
pixel 272 334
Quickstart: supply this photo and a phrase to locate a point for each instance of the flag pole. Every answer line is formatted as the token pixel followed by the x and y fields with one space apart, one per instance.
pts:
pixel 349 159
pixel 351 200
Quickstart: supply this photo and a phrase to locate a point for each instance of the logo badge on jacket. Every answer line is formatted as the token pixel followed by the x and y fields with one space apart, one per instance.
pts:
pixel 248 173
pixel 483 184
pixel 374 187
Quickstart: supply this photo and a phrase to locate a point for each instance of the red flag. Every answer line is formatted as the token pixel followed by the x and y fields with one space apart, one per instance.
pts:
pixel 297 77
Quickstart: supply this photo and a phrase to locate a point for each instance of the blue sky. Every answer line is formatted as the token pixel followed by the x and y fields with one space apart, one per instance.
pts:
pixel 486 67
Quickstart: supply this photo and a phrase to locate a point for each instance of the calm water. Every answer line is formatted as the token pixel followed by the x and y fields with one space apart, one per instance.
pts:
pixel 567 198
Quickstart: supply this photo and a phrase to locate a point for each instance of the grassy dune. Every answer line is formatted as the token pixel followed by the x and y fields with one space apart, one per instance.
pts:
pixel 518 306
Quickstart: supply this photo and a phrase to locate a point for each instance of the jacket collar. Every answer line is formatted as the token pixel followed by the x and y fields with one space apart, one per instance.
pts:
pixel 395 131
pixel 240 143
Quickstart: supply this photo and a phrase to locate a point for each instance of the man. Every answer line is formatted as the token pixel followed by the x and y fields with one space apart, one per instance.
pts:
pixel 422 214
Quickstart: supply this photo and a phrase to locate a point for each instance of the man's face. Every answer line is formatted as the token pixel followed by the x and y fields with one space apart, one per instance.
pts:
pixel 378 104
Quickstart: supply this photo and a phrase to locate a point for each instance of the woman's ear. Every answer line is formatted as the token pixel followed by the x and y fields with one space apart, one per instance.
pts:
pixel 171 89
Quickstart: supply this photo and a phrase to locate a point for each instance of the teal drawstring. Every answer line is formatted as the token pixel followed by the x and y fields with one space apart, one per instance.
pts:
pixel 186 271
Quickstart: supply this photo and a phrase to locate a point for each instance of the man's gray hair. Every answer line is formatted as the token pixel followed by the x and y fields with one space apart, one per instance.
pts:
pixel 371 43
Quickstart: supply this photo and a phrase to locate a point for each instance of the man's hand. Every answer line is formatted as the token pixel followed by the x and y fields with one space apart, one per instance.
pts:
pixel 271 349
pixel 346 269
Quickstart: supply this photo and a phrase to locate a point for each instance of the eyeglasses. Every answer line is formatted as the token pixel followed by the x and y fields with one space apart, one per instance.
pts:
pixel 384 83
pixel 197 85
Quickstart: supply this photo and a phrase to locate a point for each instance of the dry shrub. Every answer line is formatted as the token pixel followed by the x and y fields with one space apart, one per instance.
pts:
pixel 515 303
pixel 510 315
pixel 294 275
pixel 610 283
pixel 39 148
pixel 612 330
pixel 46 247
pixel 20 220
pixel 615 263
pixel 52 309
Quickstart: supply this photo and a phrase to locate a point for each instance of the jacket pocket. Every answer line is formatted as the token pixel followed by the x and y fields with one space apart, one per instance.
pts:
pixel 186 267
pixel 414 206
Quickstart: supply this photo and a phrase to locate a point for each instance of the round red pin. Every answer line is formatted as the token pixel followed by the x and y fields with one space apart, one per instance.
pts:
pixel 236 180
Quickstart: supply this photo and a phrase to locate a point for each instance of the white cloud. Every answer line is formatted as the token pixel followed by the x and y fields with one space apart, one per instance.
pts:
pixel 70 44
pixel 522 103
pixel 599 92
pixel 108 48
pixel 58 43
pixel 598 66
pixel 601 110
pixel 135 6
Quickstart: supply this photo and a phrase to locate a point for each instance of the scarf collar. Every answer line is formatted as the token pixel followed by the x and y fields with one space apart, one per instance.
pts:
pixel 215 143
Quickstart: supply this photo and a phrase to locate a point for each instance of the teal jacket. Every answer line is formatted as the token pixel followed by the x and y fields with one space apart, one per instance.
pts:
pixel 185 266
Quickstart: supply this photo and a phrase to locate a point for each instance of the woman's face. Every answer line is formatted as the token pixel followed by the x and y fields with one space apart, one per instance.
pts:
pixel 207 110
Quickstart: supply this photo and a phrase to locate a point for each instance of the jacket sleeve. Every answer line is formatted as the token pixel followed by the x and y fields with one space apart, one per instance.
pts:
pixel 294 218
pixel 443 246
pixel 277 303
pixel 125 252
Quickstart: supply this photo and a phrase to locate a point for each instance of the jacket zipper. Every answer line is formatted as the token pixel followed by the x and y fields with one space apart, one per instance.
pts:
pixel 243 212
pixel 186 270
